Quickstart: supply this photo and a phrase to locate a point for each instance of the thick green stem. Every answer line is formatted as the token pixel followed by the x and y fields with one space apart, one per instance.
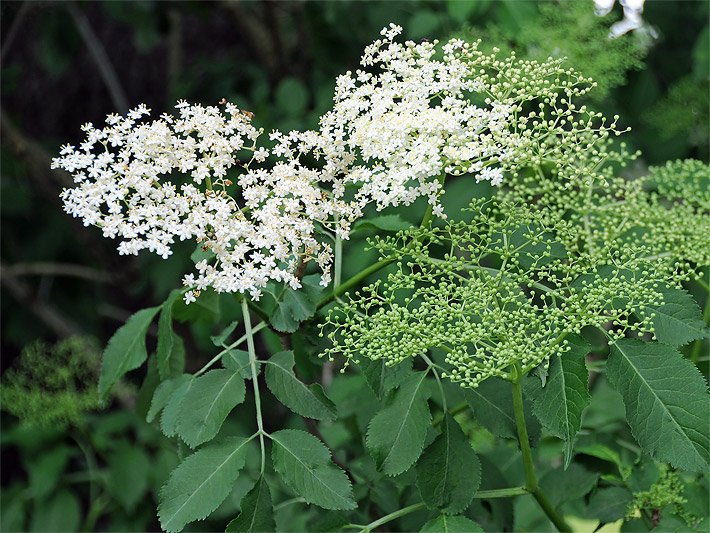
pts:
pixel 531 484
pixel 254 379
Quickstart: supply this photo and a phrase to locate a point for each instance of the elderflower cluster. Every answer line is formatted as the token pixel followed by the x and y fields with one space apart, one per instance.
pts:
pixel 140 182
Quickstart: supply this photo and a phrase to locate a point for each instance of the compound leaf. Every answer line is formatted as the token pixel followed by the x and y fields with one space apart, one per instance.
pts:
pixel 448 472
pixel 666 401
pixel 395 436
pixel 201 483
pixel 304 464
pixel 206 405
pixel 310 402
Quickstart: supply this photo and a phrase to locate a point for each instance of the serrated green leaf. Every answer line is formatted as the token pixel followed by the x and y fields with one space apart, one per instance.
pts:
pixel 492 404
pixel 163 393
pixel 169 419
pixel 238 361
pixel 207 404
pixel 448 472
pixel 171 350
pixel 560 403
pixel 382 378
pixel 125 350
pixel 609 504
pixel 201 483
pixel 218 340
pixel 395 436
pixel 451 524
pixel 666 402
pixel 293 306
pixel 310 402
pixel 304 464
pixel 257 511
pixel 678 320
pixel 561 485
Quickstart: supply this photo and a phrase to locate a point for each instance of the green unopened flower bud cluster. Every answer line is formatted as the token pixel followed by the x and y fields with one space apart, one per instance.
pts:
pixel 505 290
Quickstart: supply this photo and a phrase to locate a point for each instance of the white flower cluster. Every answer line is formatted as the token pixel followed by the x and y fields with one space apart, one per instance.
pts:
pixel 390 138
pixel 119 173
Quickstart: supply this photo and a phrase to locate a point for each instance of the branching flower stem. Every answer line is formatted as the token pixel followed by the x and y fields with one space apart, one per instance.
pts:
pixel 531 484
pixel 341 288
pixel 254 379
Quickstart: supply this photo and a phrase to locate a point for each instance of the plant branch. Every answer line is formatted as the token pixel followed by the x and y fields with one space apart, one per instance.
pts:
pixel 254 379
pixel 531 484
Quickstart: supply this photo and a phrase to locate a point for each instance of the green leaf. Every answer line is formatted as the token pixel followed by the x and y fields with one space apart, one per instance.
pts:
pixel 257 511
pixel 218 340
pixel 384 222
pixel 562 485
pixel 125 350
pixel 293 306
pixel 129 468
pixel 171 350
pixel 61 512
pixel 163 393
pixel 169 420
pixel 395 435
pixel 310 402
pixel 238 361
pixel 448 472
pixel 304 464
pixel 492 404
pixel 451 524
pixel 45 471
pixel 609 504
pixel 666 402
pixel 382 378
pixel 678 320
pixel 207 404
pixel 560 403
pixel 201 483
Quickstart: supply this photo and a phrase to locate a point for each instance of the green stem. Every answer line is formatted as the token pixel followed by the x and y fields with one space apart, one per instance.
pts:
pixel 341 288
pixel 531 484
pixel 254 379
pixel 501 493
pixel 258 327
pixel 388 518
